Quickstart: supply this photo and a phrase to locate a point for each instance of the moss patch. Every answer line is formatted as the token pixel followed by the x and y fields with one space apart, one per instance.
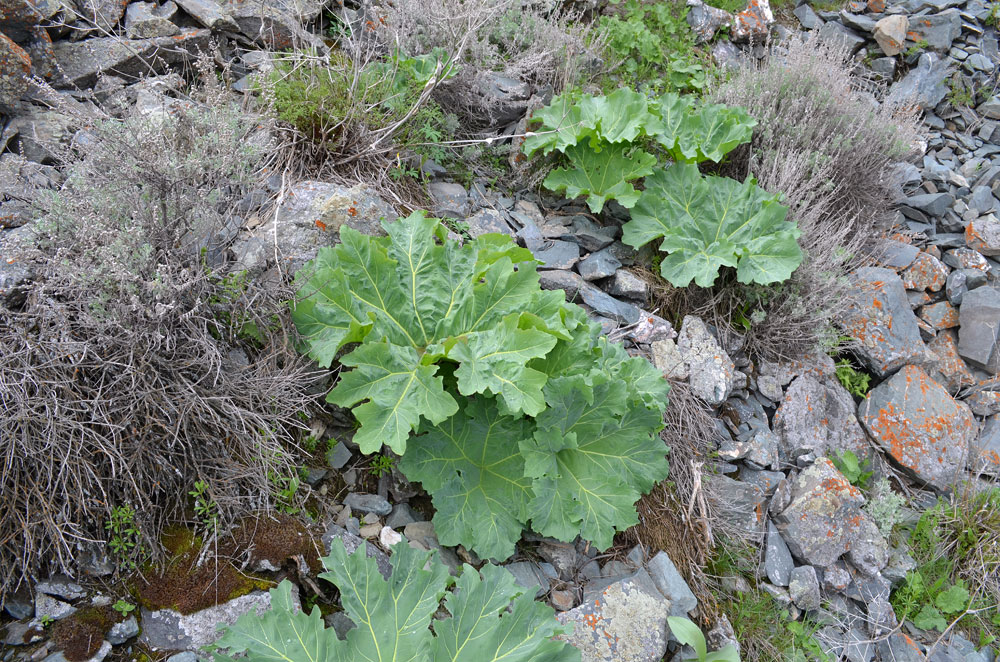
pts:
pixel 79 636
pixel 277 537
pixel 186 587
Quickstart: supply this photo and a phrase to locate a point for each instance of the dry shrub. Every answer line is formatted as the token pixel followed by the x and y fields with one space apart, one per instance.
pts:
pixel 140 362
pixel 825 144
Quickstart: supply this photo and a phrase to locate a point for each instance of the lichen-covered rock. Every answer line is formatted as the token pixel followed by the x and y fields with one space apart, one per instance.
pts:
pixel 627 623
pixel 924 430
pixel 15 67
pixel 711 371
pixel 890 33
pixel 171 630
pixel 925 273
pixel 979 328
pixel 984 451
pixel 880 319
pixel 983 235
pixel 309 217
pixel 941 315
pixel 145 20
pixel 824 521
pixel 817 418
pixel 105 14
pixel 739 504
pixel 948 368
pixel 803 587
pixel 753 23
pixel 705 20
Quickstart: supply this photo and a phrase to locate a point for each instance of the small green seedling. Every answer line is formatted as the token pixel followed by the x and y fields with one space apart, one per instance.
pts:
pixel 204 508
pixel 46 620
pixel 381 465
pixel 125 536
pixel 856 383
pixel 855 471
pixel 690 634
pixel 124 608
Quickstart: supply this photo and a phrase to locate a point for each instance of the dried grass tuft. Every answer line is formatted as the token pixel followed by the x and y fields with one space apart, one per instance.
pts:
pixel 130 371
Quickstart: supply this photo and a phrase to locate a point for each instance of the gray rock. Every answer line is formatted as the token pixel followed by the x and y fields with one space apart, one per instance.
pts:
pixel 311 216
pixel 39 134
pixel 338 456
pixel 19 605
pixel 879 317
pixel 21 634
pixel 706 20
pixel 166 628
pixel 807 17
pixel 922 428
pixel 816 418
pixel 899 648
pixel 105 14
pixel 61 586
pixel 401 515
pixel 606 305
pixel 145 20
pixel 979 328
pixel 563 557
pixel 890 33
pixel 667 359
pixel 982 201
pixel 505 98
pixel 561 279
pixel 528 575
pixel 352 542
pixel 739 504
pixel 598 265
pixel 449 200
pixel 885 67
pixel 593 236
pixel 711 371
pixel 984 451
pixel 628 285
pixel 341 624
pixel 924 85
pixel 803 588
pixel 123 631
pixel 824 519
pixel 186 656
pixel 983 235
pixel 422 534
pixel 778 563
pixel 990 108
pixel 81 62
pixel 841 36
pixel 277 24
pixel 101 653
pixel 897 255
pixel 556 254
pixel 488 221
pixel 670 583
pixel 210 14
pixel 46 605
pixel 938 30
pixel 627 621
pixel 932 204
pixel 858 22
pixel 368 503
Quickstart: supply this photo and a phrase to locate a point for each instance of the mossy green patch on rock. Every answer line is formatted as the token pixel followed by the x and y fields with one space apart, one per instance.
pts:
pixel 80 636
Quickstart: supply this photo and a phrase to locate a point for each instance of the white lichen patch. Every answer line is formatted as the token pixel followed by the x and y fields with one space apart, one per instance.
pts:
pixel 626 624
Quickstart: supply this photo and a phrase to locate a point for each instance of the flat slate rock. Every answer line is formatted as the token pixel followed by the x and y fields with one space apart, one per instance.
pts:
pixel 924 430
pixel 817 418
pixel 171 630
pixel 879 317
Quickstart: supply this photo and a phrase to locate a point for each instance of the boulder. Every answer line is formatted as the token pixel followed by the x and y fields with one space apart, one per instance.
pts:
pixel 817 418
pixel 924 85
pixel 979 328
pixel 890 33
pixel 711 371
pixel 171 630
pixel 924 430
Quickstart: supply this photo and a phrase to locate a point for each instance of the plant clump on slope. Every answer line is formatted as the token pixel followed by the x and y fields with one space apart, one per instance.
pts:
pixel 501 398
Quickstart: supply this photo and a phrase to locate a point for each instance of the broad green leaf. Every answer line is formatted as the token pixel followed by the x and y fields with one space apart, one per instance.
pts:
pixel 707 133
pixel 409 298
pixel 644 383
pixel 482 629
pixel 471 466
pixel 710 222
pixel 399 391
pixel 280 634
pixel 591 458
pixel 930 618
pixel 620 117
pixel 494 361
pixel 953 600
pixel 686 632
pixel 490 618
pixel 602 175
pixel 560 125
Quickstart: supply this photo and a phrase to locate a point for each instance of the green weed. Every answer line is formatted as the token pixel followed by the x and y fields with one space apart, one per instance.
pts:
pixel 205 509
pixel 123 607
pixel 381 465
pixel 857 472
pixel 125 541
pixel 856 383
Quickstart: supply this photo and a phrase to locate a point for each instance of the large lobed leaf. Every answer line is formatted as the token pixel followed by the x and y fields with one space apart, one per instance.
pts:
pixel 576 469
pixel 710 222
pixel 705 133
pixel 602 175
pixel 414 300
pixel 491 617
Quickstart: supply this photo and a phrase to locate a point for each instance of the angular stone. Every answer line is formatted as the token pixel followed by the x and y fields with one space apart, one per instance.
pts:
pixel 824 519
pixel 711 371
pixel 81 62
pixel 61 586
pixel 598 265
pixel 561 279
pixel 706 20
pixel 739 504
pixel 626 622
pixel 105 14
pixel 841 36
pixel 966 258
pixel 338 456
pixel 351 544
pixel 166 628
pixel 628 285
pixel 487 221
pixel 401 515
pixel 593 236
pixel 983 235
pixel 145 20
pixel 984 451
pixel 925 273
pixel 778 563
pixel 938 30
pixel 46 605
pixel 311 216
pixel 880 319
pixel 932 204
pixel 815 418
pixel 990 108
pixel 670 583
pixel 941 315
pixel 956 286
pixel 668 359
pixel 606 305
pixel 899 647
pixel 807 17
pixel 858 22
pixel 123 631
pixel 527 575
pixel 803 587
pixel 368 503
pixel 923 429
pixel 948 368
pixel 277 24
pixel 984 403
pixel 557 254
pixel 924 85
pixel 890 33
pixel 752 24
pixel 210 14
pixel 979 327
pixel 449 200
pixel 897 255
